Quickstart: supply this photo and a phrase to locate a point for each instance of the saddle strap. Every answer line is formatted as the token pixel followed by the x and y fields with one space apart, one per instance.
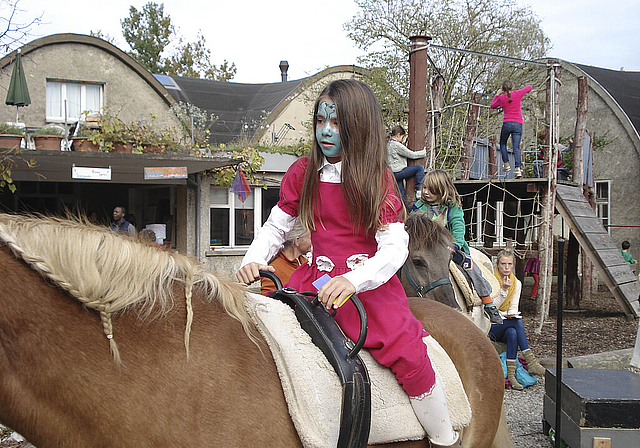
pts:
pixel 355 419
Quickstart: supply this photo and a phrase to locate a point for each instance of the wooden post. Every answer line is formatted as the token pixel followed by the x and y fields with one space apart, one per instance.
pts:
pixel 417 102
pixel 581 127
pixel 469 134
pixel 574 290
pixel 433 118
pixel 545 243
pixel 493 165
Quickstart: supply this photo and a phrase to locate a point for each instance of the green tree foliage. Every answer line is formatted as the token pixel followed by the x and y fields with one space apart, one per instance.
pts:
pixel 148 32
pixel 194 59
pixel 151 34
pixel 500 27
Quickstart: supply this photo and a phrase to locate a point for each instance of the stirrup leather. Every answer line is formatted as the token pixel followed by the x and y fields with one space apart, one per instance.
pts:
pixel 340 351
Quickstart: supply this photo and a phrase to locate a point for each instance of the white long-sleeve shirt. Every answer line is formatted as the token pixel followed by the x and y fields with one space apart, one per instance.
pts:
pixel 392 242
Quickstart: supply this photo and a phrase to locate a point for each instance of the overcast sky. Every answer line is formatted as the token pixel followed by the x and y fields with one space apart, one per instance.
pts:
pixel 257 35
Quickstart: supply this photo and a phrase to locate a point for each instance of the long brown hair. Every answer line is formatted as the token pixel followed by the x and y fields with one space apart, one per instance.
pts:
pixel 365 176
pixel 507 87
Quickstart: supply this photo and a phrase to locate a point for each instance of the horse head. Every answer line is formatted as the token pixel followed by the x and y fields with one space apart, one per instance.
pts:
pixel 426 271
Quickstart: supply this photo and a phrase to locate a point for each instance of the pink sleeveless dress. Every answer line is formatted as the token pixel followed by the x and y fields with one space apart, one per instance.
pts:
pixel 394 335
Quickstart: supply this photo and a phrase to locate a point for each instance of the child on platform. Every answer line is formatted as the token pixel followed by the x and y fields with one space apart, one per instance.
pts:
pixel 345 195
pixel 439 196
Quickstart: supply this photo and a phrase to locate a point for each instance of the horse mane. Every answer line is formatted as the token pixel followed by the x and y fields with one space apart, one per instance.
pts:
pixel 425 232
pixel 111 273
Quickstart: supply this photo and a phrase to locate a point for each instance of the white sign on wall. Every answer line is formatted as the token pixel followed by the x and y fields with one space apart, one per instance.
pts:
pixel 84 172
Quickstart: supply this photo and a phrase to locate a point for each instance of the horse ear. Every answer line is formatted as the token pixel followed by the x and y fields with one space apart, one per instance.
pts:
pixel 441 220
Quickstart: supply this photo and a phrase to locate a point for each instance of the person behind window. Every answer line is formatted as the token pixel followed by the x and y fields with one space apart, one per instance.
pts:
pixel 290 257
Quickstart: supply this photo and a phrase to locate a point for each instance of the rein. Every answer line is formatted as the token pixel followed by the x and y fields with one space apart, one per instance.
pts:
pixel 421 290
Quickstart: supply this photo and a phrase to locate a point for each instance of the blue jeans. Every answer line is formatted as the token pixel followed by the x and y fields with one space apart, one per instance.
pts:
pixel 537 168
pixel 407 173
pixel 512 332
pixel 513 129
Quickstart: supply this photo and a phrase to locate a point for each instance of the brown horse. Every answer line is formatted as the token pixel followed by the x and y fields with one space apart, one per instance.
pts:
pixel 59 387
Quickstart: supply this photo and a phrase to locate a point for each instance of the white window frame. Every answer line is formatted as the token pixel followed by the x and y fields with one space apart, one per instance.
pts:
pixel 257 215
pixel 83 99
pixel 600 202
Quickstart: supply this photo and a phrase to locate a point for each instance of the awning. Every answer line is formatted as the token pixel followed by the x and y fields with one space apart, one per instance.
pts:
pixel 56 166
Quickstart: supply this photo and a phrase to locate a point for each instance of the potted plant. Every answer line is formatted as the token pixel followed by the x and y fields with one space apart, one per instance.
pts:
pixel 10 136
pixel 84 141
pixel 112 134
pixel 48 138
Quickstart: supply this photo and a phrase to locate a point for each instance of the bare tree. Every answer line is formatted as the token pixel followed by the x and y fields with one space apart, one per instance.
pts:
pixel 15 28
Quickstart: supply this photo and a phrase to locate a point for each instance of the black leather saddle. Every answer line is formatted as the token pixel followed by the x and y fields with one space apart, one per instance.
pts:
pixel 342 353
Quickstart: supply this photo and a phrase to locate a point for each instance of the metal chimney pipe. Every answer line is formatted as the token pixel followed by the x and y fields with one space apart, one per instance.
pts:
pixel 284 66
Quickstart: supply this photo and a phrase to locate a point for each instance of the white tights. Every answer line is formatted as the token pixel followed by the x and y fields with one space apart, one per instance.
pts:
pixel 433 413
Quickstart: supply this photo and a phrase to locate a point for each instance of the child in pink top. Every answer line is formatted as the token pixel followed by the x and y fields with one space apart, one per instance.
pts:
pixel 509 100
pixel 346 196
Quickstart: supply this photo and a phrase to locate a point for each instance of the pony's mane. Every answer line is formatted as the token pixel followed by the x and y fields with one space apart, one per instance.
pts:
pixel 425 232
pixel 110 273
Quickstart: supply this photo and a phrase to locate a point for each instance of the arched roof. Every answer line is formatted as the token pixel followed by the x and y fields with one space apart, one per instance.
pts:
pixel 70 38
pixel 238 104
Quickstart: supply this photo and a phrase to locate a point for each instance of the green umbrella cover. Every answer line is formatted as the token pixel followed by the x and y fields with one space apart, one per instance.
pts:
pixel 18 93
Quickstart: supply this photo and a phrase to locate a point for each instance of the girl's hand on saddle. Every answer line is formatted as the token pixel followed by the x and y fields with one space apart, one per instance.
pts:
pixel 249 273
pixel 338 289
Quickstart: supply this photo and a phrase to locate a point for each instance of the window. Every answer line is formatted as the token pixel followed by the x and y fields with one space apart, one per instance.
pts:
pixel 79 97
pixel 603 199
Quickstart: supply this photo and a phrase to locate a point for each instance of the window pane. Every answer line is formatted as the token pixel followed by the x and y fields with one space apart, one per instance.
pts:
pixel 244 226
pixel 602 190
pixel 54 99
pixel 219 196
pixel 74 106
pixel 92 98
pixel 219 227
pixel 269 199
pixel 248 201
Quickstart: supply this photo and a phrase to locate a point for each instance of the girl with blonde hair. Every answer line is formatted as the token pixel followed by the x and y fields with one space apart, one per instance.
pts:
pixel 511 331
pixel 440 197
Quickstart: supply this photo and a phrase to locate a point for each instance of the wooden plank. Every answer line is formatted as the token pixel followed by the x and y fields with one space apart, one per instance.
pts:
pixel 631 291
pixel 581 209
pixel 621 274
pixel 612 258
pixel 569 193
pixel 600 241
pixel 588 224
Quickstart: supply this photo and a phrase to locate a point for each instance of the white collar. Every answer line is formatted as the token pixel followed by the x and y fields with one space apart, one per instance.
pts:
pixel 325 163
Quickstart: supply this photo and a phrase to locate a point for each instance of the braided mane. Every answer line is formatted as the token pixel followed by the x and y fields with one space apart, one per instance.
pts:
pixel 110 273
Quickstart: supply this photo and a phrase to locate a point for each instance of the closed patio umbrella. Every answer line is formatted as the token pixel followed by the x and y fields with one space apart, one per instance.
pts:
pixel 18 93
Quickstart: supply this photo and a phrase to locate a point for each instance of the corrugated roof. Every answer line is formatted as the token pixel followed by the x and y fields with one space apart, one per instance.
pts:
pixel 236 105
pixel 624 87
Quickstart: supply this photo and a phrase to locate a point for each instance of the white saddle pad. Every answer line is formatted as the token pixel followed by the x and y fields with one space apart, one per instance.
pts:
pixel 314 394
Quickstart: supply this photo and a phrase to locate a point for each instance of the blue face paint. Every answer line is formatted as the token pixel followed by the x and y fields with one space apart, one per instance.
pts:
pixel 327 132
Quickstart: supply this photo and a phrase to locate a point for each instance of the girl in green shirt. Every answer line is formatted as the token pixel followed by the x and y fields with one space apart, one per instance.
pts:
pixel 439 196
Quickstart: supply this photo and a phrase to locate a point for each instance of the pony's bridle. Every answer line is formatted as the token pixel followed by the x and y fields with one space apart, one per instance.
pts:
pixel 422 290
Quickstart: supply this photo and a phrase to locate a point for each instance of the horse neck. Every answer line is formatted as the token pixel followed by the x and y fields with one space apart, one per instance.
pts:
pixel 60 387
